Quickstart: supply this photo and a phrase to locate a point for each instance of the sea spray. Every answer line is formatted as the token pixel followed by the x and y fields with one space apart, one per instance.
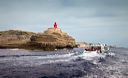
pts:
pixel 30 59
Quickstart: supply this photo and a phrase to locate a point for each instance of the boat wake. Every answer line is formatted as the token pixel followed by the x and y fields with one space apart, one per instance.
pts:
pixel 64 63
pixel 34 60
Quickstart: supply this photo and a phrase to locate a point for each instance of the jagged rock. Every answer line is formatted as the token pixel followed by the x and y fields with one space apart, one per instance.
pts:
pixel 14 38
pixel 51 39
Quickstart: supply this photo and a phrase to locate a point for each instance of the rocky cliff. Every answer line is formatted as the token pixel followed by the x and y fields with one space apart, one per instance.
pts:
pixel 51 39
pixel 14 38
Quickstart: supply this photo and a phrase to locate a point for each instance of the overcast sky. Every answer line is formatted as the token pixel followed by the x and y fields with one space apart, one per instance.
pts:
pixel 104 21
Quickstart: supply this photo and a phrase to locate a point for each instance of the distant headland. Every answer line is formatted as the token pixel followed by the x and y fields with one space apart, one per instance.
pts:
pixel 51 39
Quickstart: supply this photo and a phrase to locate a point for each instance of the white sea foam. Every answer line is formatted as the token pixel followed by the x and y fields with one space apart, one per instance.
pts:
pixel 111 54
pixel 57 56
pixel 52 58
pixel 66 57
pixel 15 49
pixel 38 60
pixel 87 55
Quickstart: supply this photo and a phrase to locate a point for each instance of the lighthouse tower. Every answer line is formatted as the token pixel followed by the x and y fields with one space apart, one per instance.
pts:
pixel 55 26
pixel 54 29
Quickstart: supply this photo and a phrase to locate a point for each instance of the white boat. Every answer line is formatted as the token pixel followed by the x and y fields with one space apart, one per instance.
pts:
pixel 104 48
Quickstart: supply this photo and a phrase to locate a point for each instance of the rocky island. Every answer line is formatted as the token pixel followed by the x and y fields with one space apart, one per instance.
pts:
pixel 51 39
pixel 14 38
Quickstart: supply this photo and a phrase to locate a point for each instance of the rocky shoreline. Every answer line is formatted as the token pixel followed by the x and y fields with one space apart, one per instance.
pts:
pixel 51 39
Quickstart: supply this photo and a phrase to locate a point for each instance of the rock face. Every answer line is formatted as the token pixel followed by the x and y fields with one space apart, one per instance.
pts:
pixel 51 39
pixel 14 38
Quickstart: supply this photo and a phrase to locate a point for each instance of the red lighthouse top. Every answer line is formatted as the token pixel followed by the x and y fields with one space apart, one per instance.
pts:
pixel 55 25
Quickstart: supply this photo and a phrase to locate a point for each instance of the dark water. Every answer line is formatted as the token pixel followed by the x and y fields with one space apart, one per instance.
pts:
pixel 16 63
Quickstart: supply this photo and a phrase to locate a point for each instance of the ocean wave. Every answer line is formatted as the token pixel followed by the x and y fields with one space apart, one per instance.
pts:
pixel 33 60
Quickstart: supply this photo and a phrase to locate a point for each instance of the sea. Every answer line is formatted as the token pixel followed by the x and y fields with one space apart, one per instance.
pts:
pixel 65 63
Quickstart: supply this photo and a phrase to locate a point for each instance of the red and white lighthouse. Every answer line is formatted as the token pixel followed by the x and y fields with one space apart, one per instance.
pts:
pixel 55 25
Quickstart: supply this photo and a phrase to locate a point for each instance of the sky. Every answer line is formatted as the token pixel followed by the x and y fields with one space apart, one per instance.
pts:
pixel 96 21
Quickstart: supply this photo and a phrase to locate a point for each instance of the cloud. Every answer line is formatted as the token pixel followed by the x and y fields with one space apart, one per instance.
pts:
pixel 97 20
